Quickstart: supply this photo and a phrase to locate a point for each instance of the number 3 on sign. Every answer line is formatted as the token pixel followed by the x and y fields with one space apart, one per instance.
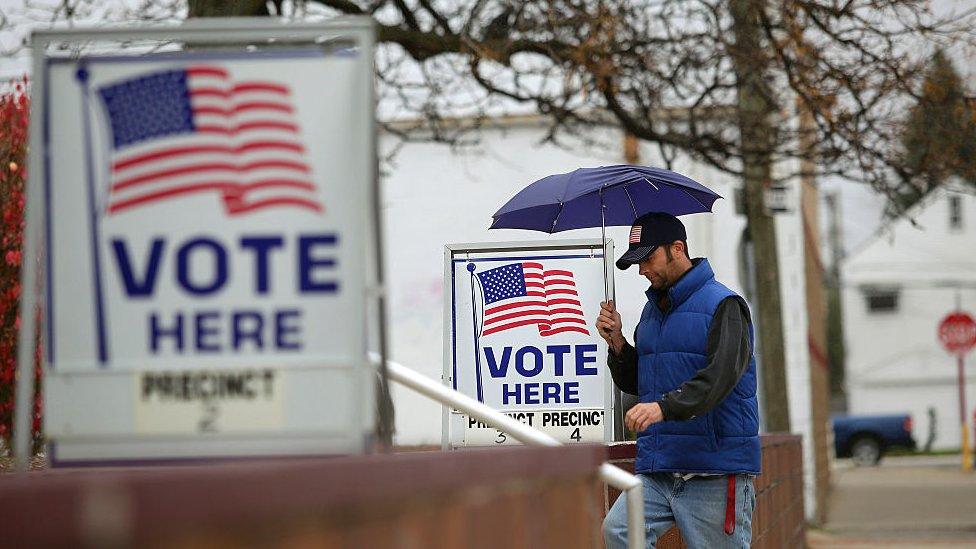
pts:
pixel 501 438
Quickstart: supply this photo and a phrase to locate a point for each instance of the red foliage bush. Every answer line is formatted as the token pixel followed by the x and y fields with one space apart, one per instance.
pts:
pixel 14 112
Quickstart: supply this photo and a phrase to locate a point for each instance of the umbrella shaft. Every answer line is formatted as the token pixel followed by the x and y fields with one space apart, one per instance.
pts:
pixel 603 245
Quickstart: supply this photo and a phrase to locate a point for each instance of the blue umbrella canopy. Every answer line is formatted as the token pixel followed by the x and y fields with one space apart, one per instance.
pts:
pixel 603 196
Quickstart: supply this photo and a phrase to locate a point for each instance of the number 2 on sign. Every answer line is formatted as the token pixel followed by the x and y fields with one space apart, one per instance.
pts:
pixel 208 423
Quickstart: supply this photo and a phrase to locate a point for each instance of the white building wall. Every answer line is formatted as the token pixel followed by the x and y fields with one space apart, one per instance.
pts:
pixel 790 243
pixel 894 361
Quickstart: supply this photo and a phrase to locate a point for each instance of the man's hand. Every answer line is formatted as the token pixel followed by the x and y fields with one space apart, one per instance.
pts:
pixel 643 415
pixel 609 326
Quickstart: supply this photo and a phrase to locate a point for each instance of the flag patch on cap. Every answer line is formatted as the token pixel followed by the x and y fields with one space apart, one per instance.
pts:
pixel 635 233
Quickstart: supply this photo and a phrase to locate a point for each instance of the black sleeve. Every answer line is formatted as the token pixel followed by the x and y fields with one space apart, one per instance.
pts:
pixel 727 356
pixel 623 368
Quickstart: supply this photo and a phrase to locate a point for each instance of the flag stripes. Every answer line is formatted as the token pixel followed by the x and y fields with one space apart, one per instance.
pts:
pixel 635 234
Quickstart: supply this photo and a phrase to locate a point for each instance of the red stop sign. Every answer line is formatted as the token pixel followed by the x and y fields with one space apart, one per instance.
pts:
pixel 957 333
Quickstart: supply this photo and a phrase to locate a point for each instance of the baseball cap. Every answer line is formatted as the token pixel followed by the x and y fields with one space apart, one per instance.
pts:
pixel 647 233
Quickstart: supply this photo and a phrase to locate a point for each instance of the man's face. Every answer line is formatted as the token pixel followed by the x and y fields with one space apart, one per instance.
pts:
pixel 657 268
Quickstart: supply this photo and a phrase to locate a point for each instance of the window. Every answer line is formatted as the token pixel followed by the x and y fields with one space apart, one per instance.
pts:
pixel 881 300
pixel 955 213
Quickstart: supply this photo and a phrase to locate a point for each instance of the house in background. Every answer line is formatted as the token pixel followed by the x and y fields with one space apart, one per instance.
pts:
pixel 433 195
pixel 896 290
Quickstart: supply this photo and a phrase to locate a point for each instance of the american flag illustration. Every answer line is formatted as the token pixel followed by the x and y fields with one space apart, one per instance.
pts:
pixel 521 294
pixel 195 130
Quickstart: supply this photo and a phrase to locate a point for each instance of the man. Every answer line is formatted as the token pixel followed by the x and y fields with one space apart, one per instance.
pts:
pixel 692 367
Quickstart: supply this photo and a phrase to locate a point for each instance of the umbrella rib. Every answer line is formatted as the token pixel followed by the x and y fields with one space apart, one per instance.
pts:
pixel 684 190
pixel 556 219
pixel 632 207
pixel 707 209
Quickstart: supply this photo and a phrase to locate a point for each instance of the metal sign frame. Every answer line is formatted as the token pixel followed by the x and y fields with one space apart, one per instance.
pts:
pixel 223 36
pixel 458 252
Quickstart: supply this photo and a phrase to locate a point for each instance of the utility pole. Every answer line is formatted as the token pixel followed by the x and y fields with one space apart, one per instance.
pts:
pixel 835 319
pixel 834 236
pixel 967 454
pixel 757 138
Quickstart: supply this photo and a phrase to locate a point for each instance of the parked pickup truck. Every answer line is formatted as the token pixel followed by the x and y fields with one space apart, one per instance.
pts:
pixel 864 439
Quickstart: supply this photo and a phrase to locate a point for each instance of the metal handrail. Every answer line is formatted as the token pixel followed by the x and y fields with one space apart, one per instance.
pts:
pixel 612 475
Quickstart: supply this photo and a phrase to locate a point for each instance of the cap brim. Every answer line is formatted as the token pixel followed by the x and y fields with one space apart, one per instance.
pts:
pixel 634 256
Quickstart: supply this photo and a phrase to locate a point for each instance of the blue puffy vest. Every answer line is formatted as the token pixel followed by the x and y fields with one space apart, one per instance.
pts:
pixel 671 348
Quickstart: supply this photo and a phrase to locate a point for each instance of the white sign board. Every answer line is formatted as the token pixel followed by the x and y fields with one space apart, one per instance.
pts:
pixel 520 338
pixel 209 222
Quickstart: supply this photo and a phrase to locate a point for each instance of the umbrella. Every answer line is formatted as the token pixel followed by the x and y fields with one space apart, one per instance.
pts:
pixel 597 197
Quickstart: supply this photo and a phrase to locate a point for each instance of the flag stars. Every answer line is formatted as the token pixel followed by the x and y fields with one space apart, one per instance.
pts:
pixel 503 282
pixel 147 107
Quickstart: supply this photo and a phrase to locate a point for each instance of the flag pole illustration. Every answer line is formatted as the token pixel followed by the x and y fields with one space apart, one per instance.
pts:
pixel 82 76
pixel 477 333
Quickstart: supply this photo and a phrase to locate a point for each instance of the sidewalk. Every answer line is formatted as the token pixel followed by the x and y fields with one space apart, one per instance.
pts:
pixel 906 502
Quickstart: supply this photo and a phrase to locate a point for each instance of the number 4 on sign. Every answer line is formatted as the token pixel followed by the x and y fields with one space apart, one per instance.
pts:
pixel 576 435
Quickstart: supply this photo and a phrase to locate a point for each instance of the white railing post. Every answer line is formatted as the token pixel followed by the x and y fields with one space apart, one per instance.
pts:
pixel 634 488
pixel 612 475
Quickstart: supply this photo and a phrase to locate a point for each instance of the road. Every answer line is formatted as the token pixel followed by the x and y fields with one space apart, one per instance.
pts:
pixel 905 502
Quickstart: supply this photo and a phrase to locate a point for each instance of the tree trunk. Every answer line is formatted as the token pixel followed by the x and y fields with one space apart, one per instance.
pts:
pixel 227 8
pixel 755 105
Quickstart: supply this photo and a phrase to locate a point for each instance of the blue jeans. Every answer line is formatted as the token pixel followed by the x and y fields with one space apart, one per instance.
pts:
pixel 696 505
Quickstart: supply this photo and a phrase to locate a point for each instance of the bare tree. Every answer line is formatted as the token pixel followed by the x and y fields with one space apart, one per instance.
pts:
pixel 723 81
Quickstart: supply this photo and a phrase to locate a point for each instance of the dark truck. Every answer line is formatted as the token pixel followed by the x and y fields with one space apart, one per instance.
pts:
pixel 864 439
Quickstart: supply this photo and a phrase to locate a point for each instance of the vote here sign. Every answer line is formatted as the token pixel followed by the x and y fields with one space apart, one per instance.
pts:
pixel 208 233
pixel 521 337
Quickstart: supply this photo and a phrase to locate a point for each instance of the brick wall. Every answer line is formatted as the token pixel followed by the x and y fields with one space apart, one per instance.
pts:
pixel 500 497
pixel 778 520
pixel 511 497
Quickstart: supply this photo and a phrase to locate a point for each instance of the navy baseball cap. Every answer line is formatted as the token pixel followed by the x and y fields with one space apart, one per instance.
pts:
pixel 648 232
